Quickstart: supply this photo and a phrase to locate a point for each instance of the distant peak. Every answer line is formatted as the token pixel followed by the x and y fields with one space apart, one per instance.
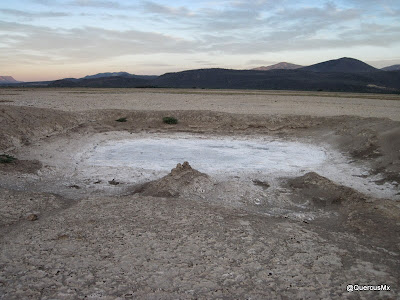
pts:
pixel 391 68
pixel 8 79
pixel 279 66
pixel 347 58
pixel 344 65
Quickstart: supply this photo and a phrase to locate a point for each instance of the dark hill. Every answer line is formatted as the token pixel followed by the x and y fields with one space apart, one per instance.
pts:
pixel 392 68
pixel 344 65
pixel 103 82
pixel 300 79
pixel 341 75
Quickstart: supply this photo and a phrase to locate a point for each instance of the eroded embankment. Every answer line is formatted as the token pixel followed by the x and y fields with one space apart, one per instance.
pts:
pixel 371 140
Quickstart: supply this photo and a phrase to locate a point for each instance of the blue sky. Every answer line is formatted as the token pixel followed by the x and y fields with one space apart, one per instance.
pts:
pixel 51 39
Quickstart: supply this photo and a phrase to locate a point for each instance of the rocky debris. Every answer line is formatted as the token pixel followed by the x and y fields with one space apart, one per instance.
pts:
pixel 32 217
pixel 74 186
pixel 63 237
pixel 183 179
pixel 113 182
pixel 263 184
pixel 181 168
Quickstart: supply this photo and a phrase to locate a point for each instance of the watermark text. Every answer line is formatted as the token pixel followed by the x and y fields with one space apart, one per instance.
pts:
pixel 359 287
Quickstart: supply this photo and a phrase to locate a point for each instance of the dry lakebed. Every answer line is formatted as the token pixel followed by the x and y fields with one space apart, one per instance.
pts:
pixel 251 195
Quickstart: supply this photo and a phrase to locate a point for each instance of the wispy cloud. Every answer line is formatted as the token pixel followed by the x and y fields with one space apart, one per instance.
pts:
pixel 259 62
pixel 200 32
pixel 90 43
pixel 98 4
pixel 168 11
pixel 31 15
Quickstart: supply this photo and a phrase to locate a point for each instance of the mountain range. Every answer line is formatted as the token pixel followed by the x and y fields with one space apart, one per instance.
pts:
pixel 339 75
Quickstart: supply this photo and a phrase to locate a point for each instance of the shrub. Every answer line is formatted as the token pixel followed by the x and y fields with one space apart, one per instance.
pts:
pixel 121 120
pixel 6 159
pixel 170 120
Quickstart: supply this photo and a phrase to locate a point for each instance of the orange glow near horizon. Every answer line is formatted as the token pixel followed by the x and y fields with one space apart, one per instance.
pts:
pixel 50 40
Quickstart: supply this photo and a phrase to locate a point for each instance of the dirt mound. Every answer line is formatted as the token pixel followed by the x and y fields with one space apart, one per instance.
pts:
pixel 355 211
pixel 183 180
pixel 322 192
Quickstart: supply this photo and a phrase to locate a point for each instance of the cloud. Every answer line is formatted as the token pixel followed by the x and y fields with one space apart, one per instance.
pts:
pixel 46 2
pixel 228 20
pixel 208 19
pixel 99 4
pixel 256 4
pixel 168 11
pixel 384 63
pixel 275 43
pixel 312 18
pixel 32 15
pixel 85 3
pixel 158 64
pixel 199 30
pixel 292 29
pixel 89 43
pixel 260 62
pixel 205 62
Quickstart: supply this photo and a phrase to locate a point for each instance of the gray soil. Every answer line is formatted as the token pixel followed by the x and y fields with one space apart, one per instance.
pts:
pixel 189 235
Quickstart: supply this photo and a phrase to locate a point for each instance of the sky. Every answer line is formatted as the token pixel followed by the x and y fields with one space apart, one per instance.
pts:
pixel 53 39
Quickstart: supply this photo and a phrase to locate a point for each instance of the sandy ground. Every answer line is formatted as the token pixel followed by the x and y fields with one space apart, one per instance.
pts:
pixel 71 232
pixel 243 102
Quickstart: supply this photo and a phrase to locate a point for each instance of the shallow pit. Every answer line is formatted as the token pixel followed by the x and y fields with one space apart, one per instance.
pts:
pixel 86 164
pixel 143 157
